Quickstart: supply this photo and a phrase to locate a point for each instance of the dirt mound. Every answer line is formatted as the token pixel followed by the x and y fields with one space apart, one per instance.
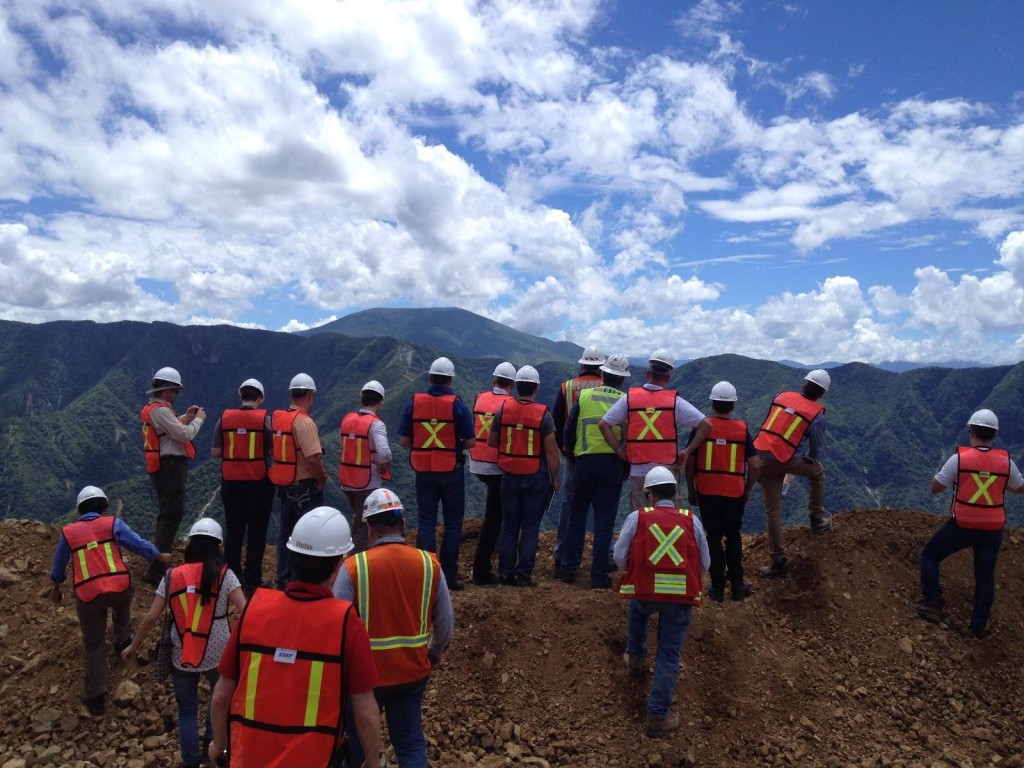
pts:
pixel 825 668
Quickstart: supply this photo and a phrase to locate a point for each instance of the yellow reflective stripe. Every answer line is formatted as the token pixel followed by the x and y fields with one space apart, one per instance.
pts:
pixel 707 455
pixel 670 583
pixel 363 582
pixel 82 566
pixel 196 616
pixel 231 444
pixel 771 419
pixel 316 678
pixel 649 422
pixel 529 443
pixel 433 439
pixel 732 458
pixel 252 445
pixel 792 427
pixel 284 448
pixel 627 589
pixel 666 542
pixel 428 586
pixel 359 452
pixel 486 419
pixel 110 557
pixel 508 440
pixel 982 488
pixel 399 641
pixel 252 676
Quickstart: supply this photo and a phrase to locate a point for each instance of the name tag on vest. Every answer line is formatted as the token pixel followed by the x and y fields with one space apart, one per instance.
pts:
pixel 790 410
pixel 285 656
pixel 351 435
pixel 242 431
pixel 719 441
pixel 190 589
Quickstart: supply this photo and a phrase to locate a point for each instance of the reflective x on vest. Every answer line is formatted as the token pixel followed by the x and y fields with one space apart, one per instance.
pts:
pixel 984 480
pixel 650 415
pixel 483 424
pixel 666 545
pixel 433 427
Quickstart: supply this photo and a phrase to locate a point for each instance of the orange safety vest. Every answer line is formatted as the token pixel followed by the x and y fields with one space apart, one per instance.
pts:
pixel 151 438
pixel 96 563
pixel 357 450
pixel 282 425
pixel 287 710
pixel 721 459
pixel 394 587
pixel 664 559
pixel 520 444
pixel 243 454
pixel 572 387
pixel 433 433
pixel 787 421
pixel 486 405
pixel 980 484
pixel 193 618
pixel 651 426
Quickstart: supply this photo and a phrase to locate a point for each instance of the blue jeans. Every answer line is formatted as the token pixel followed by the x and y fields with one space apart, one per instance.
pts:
pixel 447 489
pixel 673 621
pixel 186 693
pixel 296 500
pixel 598 480
pixel 403 708
pixel 523 501
pixel 951 538
pixel 565 495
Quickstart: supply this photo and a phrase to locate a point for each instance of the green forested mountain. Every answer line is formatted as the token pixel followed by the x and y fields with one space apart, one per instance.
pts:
pixel 70 394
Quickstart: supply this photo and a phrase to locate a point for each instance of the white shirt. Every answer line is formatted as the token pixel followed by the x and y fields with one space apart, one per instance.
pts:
pixel 628 531
pixel 948 474
pixel 486 467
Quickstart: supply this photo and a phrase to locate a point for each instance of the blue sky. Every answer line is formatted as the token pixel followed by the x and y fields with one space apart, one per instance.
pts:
pixel 794 180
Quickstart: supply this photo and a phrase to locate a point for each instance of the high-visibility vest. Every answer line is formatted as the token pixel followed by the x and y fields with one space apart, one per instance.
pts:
pixel 193 618
pixel 357 452
pixel 151 438
pixel 520 445
pixel 486 405
pixel 282 428
pixel 394 590
pixel 980 484
pixel 572 388
pixel 664 559
pixel 243 455
pixel 651 426
pixel 286 711
pixel 96 563
pixel 594 403
pixel 433 433
pixel 721 460
pixel 787 421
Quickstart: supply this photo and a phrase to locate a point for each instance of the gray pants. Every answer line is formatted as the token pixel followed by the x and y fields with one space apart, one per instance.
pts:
pixel 92 617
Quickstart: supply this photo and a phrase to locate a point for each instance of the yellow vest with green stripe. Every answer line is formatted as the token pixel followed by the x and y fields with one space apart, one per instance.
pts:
pixel 593 404
pixel 664 559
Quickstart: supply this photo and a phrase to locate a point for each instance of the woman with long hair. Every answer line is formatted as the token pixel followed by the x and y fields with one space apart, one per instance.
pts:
pixel 199 593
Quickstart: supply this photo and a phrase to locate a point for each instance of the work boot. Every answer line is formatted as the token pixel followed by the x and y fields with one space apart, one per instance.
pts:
pixel 634 665
pixel 556 571
pixel 96 705
pixel 777 569
pixel 741 591
pixel 716 594
pixel 980 632
pixel 820 525
pixel 567 576
pixel 930 610
pixel 118 647
pixel 489 580
pixel 660 727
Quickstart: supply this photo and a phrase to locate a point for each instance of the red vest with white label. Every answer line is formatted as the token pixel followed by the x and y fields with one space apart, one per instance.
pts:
pixel 980 484
pixel 193 618
pixel 243 455
pixel 651 426
pixel 664 559
pixel 486 405
pixel 96 563
pixel 721 459
pixel 786 423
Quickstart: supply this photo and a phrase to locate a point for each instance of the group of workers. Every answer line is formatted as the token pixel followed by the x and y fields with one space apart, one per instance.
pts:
pixel 306 671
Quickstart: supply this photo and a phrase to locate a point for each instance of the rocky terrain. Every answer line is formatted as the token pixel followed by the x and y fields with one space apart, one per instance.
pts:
pixel 825 668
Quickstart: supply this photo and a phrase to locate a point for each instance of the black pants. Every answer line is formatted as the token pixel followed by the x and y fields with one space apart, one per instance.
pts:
pixel 490 529
pixel 248 505
pixel 296 500
pixel 722 518
pixel 169 484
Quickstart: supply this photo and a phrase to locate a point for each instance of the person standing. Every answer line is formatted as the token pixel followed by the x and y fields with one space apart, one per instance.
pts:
pixel 436 428
pixel 167 446
pixel 296 660
pixel 597 476
pixel 101 583
pixel 980 475
pixel 790 442
pixel 524 434
pixel 298 468
pixel 663 553
pixel 483 462
pixel 402 597
pixel 199 593
pixel 365 456
pixel 242 440
pixel 720 475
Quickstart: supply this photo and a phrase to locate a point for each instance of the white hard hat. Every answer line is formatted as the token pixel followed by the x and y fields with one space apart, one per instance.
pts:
pixel 983 418
pixel 616 365
pixel 592 355
pixel 724 391
pixel 165 378
pixel 442 367
pixel 659 476
pixel 380 501
pixel 505 371
pixel 529 374
pixel 89 492
pixel 820 377
pixel 321 532
pixel 373 386
pixel 254 383
pixel 206 527
pixel 662 356
pixel 302 381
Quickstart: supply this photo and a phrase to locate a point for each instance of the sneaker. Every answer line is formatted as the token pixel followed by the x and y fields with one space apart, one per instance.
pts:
pixel 659 727
pixel 634 665
pixel 741 591
pixel 820 525
pixel 930 610
pixel 489 580
pixel 718 595
pixel 777 569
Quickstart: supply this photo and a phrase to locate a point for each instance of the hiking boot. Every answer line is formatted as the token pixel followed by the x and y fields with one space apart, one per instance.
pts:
pixel 930 610
pixel 741 591
pixel 820 525
pixel 659 727
pixel 566 576
pixel 506 581
pixel 456 585
pixel 718 595
pixel 489 580
pixel 634 665
pixel 777 569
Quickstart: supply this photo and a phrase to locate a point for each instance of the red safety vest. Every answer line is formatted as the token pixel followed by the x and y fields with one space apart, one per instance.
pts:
pixel 243 454
pixel 193 619
pixel 394 589
pixel 151 438
pixel 520 445
pixel 356 450
pixel 282 425
pixel 651 426
pixel 486 405
pixel 571 388
pixel 433 433
pixel 980 484
pixel 96 563
pixel 786 423
pixel 721 459
pixel 287 711
pixel 664 560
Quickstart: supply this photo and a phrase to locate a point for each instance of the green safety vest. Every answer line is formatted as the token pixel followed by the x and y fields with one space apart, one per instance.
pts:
pixel 593 404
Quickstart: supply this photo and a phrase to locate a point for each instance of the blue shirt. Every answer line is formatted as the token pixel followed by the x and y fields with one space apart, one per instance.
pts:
pixel 123 535
pixel 463 419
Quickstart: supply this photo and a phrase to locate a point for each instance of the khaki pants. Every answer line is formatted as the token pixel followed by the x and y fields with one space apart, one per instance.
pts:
pixel 771 477
pixel 92 617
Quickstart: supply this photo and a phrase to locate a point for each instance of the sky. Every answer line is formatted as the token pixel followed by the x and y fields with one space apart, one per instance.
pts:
pixel 810 181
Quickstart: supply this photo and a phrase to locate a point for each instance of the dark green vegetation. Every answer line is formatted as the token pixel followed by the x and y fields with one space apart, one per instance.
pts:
pixel 70 394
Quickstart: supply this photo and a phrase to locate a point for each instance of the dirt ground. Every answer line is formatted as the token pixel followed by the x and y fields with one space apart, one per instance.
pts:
pixel 827 667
